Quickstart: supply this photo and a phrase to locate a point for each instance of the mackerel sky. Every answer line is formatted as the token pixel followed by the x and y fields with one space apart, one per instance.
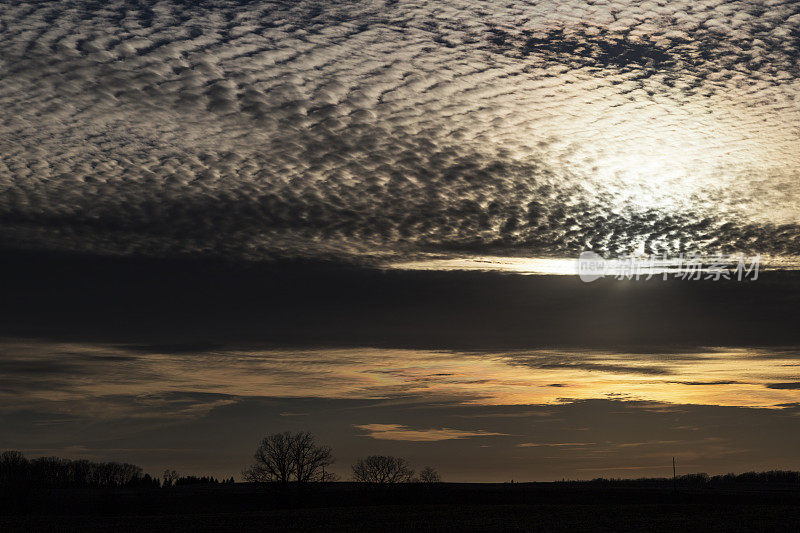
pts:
pixel 373 131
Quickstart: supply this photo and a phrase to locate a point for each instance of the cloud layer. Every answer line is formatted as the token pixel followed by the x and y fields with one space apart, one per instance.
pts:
pixel 366 130
pixel 475 416
pixel 109 382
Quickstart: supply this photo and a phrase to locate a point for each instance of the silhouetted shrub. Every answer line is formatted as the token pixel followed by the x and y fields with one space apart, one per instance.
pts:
pixel 429 475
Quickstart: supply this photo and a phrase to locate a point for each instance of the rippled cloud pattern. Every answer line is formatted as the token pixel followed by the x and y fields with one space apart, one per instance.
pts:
pixel 367 131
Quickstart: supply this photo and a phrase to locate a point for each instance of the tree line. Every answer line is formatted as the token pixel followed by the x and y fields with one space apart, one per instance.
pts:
pixel 54 472
pixel 296 457
pixel 281 458
pixel 171 478
pixel 702 479
pixel 18 471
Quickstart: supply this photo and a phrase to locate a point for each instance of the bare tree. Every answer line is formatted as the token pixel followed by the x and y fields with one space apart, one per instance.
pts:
pixel 17 471
pixel 308 458
pixel 329 477
pixel 284 457
pixel 429 475
pixel 14 469
pixel 273 462
pixel 169 477
pixel 382 469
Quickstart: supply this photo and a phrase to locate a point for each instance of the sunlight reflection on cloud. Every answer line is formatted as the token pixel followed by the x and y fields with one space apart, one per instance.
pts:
pixel 303 129
pixel 180 384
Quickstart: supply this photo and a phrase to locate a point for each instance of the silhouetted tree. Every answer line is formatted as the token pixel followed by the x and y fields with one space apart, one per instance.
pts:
pixel 197 480
pixel 429 475
pixel 169 477
pixel 284 457
pixel 382 469
pixel 308 458
pixel 273 460
pixel 328 477
pixel 16 470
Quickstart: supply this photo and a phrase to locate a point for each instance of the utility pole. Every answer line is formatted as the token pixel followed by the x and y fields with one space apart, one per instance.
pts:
pixel 674 475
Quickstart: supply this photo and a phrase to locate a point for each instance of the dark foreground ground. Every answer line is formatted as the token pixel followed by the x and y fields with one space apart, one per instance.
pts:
pixel 445 507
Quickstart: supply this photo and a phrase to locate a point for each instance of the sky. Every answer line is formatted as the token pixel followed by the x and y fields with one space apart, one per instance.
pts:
pixel 220 220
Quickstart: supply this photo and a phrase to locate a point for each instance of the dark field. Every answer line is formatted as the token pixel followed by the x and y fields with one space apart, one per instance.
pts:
pixel 442 517
pixel 444 507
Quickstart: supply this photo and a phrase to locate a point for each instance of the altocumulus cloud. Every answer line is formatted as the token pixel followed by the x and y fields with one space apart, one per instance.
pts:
pixel 369 130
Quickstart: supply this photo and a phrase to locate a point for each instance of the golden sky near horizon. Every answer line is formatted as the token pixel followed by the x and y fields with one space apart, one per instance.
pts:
pixel 85 375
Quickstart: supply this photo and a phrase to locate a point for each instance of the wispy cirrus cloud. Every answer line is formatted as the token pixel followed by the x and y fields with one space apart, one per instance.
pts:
pixel 555 444
pixel 404 433
pixel 784 386
pixel 160 380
